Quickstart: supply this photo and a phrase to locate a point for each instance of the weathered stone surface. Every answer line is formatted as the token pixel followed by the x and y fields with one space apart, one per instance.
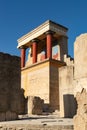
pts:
pixel 2 116
pixel 12 101
pixel 38 107
pixel 66 89
pixel 80 81
pixel 35 127
pixel 54 87
pixel 80 56
pixel 10 116
pixel 35 105
pixel 35 81
pixel 80 120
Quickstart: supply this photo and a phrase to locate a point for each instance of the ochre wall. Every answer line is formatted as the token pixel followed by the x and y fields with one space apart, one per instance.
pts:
pixel 35 80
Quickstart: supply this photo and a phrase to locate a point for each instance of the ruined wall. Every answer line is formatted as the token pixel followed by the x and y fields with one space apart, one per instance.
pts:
pixel 80 56
pixel 35 105
pixel 11 95
pixel 73 77
pixel 54 86
pixel 80 63
pixel 80 81
pixel 80 119
pixel 66 89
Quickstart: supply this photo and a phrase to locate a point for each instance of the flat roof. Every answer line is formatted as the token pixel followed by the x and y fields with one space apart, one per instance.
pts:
pixel 40 30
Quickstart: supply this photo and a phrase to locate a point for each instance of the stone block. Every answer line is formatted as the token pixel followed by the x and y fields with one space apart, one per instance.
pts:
pixel 2 116
pixel 10 116
pixel 80 119
pixel 35 105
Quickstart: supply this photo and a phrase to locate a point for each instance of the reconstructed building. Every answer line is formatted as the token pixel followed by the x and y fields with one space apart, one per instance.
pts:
pixel 48 77
pixel 40 72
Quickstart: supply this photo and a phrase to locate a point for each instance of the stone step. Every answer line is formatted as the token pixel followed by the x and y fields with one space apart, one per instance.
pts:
pixel 35 127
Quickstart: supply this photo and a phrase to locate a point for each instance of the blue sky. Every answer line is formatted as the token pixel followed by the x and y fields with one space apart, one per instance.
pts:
pixel 18 17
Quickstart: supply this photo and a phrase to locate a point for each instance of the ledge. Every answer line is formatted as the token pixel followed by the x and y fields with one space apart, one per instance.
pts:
pixel 57 62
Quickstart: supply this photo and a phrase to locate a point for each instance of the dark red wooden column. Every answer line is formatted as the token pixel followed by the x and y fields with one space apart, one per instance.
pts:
pixel 49 44
pixel 34 47
pixel 23 56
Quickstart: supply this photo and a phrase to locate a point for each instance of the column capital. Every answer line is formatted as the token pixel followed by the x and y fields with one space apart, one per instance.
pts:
pixel 35 40
pixel 49 32
pixel 23 47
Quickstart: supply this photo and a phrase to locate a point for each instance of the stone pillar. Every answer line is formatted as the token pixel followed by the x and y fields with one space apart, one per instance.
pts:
pixel 34 55
pixel 23 56
pixel 49 44
pixel 62 47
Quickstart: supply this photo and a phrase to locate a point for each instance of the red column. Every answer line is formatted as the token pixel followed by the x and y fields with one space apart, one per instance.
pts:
pixel 23 56
pixel 34 42
pixel 49 44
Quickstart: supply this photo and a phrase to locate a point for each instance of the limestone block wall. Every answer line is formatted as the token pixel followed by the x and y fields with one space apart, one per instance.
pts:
pixel 66 90
pixel 79 84
pixel 80 63
pixel 35 80
pixel 80 119
pixel 80 56
pixel 11 96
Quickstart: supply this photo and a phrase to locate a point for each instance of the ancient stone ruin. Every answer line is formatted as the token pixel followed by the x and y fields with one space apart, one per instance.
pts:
pixel 80 120
pixel 49 78
pixel 48 72
pixel 35 105
pixel 12 101
pixel 80 82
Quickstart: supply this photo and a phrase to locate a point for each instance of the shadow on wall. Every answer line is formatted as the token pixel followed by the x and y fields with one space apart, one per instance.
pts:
pixel 12 100
pixel 70 105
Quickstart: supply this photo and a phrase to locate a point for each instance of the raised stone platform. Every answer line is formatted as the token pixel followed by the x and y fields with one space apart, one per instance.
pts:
pixel 48 122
